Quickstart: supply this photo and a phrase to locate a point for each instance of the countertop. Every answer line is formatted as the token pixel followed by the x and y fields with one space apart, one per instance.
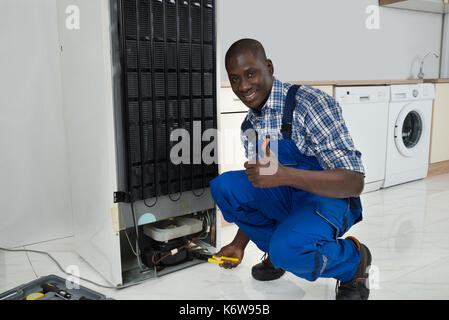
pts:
pixel 359 82
pixel 441 80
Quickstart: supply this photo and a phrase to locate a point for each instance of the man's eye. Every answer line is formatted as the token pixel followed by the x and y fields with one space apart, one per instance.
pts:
pixel 234 79
pixel 251 75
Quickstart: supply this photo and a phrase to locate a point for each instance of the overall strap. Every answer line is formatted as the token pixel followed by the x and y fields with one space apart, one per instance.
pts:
pixel 246 124
pixel 287 117
pixel 250 133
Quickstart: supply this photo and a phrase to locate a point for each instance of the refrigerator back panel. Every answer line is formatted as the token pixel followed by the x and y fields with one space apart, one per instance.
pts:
pixel 168 65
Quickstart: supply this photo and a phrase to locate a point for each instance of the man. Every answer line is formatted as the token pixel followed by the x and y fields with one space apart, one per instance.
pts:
pixel 296 214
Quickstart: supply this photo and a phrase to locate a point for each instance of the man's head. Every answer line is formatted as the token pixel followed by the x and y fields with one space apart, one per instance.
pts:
pixel 250 72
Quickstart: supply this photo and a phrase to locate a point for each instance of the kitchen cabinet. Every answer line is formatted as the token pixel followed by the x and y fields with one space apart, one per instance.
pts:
pixel 439 145
pixel 328 89
pixel 231 151
pixel 232 113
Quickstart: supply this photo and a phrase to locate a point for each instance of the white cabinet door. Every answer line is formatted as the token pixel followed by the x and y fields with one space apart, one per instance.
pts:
pixel 232 153
pixel 229 101
pixel 439 149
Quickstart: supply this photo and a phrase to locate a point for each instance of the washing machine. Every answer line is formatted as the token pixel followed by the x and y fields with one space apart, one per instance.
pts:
pixel 365 112
pixel 408 137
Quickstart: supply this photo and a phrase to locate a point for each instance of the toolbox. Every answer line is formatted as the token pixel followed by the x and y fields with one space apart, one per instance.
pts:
pixel 51 287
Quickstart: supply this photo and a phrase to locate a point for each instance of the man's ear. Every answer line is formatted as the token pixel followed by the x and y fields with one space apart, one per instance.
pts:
pixel 270 66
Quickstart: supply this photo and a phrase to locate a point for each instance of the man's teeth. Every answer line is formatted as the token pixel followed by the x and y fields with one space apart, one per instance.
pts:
pixel 250 95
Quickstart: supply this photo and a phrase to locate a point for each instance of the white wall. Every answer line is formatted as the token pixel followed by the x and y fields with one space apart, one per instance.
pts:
pixel 34 177
pixel 328 39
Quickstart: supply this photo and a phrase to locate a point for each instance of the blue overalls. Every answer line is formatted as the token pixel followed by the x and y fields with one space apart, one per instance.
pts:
pixel 298 229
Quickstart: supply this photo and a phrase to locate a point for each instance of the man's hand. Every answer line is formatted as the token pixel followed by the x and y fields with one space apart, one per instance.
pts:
pixel 267 172
pixel 232 251
pixel 334 183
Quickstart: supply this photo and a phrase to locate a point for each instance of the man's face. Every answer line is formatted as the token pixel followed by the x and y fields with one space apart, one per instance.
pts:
pixel 251 79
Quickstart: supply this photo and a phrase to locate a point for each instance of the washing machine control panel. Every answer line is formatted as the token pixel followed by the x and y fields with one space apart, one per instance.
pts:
pixel 365 94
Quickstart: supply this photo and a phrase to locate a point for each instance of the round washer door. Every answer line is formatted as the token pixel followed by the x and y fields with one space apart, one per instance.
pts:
pixel 409 130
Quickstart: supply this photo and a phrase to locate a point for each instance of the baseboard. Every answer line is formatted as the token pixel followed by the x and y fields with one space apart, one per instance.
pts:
pixel 438 168
pixel 372 186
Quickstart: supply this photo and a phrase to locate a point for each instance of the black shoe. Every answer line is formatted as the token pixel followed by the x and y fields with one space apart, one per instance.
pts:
pixel 265 271
pixel 357 287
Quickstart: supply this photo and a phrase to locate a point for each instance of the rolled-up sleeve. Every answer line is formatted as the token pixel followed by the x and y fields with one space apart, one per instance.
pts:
pixel 329 137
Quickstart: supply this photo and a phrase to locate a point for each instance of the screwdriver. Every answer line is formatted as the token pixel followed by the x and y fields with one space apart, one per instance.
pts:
pixel 219 260
pixel 198 254
pixel 48 287
pixel 34 296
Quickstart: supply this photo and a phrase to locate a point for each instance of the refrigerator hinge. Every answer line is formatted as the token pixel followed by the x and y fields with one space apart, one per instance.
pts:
pixel 121 196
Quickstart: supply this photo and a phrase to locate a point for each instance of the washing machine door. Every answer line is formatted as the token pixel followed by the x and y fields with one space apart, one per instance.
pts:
pixel 409 130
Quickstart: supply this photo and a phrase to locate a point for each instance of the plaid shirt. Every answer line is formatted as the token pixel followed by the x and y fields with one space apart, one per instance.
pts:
pixel 318 128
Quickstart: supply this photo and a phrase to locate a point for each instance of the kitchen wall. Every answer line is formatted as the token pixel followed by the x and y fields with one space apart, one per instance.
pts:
pixel 34 177
pixel 329 40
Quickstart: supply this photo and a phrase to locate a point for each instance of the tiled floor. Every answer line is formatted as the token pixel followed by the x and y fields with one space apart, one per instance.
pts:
pixel 406 227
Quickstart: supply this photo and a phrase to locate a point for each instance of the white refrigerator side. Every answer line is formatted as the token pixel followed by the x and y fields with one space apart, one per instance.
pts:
pixel 89 120
pixel 218 216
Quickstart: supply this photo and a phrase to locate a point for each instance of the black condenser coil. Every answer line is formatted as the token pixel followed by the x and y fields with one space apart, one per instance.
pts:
pixel 168 65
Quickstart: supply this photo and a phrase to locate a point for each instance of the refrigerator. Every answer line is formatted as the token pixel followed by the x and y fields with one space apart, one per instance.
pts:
pixel 134 73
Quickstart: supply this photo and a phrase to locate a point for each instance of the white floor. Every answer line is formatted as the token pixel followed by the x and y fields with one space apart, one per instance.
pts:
pixel 406 228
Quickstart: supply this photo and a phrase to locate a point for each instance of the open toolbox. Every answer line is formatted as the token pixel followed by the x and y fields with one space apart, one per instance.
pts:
pixel 51 287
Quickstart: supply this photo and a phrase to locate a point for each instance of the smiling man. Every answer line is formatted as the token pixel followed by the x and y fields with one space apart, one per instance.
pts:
pixel 298 213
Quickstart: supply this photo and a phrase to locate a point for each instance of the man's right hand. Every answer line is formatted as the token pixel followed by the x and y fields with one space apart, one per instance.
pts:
pixel 231 251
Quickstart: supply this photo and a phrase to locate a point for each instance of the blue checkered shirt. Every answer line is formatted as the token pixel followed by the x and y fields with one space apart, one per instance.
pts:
pixel 318 128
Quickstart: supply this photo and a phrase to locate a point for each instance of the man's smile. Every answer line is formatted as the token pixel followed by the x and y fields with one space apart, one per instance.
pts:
pixel 249 97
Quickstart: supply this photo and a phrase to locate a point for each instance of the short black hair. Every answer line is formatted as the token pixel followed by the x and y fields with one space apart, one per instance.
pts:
pixel 245 45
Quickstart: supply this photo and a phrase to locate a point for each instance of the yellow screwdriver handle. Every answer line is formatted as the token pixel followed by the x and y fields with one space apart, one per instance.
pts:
pixel 35 295
pixel 214 261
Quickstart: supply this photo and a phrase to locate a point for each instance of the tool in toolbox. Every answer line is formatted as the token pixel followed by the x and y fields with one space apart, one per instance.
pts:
pixel 48 287
pixel 201 255
pixel 41 296
pixel 35 296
